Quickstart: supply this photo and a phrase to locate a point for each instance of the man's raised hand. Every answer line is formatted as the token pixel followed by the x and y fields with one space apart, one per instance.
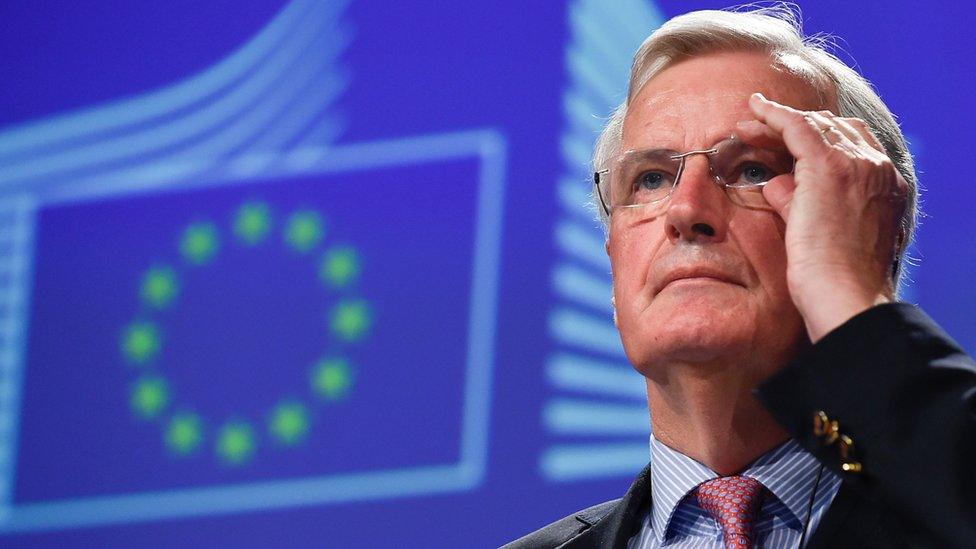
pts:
pixel 842 204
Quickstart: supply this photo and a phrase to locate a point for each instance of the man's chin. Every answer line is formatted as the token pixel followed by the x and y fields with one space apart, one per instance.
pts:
pixel 694 333
pixel 698 348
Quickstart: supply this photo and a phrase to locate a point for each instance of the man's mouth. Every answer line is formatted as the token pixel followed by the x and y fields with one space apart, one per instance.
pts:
pixel 695 274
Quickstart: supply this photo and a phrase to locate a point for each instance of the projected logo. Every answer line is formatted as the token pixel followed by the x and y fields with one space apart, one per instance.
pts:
pixel 222 310
pixel 153 397
pixel 597 416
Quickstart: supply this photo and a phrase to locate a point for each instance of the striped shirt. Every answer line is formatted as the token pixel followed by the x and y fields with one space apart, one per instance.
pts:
pixel 788 472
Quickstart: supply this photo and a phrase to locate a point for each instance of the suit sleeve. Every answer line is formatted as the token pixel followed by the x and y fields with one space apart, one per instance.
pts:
pixel 905 393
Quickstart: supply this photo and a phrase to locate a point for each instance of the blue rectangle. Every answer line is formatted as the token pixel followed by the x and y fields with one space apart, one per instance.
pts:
pixel 249 321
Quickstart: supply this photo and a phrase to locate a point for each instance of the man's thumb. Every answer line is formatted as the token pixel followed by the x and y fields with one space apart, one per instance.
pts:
pixel 779 193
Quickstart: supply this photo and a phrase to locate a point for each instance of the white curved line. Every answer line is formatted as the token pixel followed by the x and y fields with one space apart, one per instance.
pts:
pixel 25 137
pixel 189 125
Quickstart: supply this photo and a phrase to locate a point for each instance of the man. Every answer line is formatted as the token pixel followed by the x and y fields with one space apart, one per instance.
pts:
pixel 759 197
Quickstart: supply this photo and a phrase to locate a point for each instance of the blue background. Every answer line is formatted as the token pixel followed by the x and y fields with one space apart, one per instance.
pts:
pixel 404 69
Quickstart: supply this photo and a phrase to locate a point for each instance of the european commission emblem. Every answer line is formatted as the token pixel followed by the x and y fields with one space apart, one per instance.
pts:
pixel 253 227
pixel 208 306
pixel 245 342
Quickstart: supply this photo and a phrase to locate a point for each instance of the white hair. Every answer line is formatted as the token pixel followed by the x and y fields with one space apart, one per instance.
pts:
pixel 775 29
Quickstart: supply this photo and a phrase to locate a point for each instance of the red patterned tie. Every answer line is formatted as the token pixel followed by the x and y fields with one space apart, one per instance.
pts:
pixel 733 502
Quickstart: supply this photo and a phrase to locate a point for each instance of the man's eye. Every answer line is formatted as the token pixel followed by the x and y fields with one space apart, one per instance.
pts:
pixel 652 181
pixel 753 174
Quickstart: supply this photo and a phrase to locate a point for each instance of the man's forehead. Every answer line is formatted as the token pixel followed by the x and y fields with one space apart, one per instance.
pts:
pixel 698 101
pixel 673 117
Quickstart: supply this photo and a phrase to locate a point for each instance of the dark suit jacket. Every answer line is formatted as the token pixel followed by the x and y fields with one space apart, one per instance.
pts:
pixel 903 392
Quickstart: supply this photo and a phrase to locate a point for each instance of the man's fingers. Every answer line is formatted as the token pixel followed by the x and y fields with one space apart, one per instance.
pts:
pixel 799 130
pixel 759 135
pixel 862 128
pixel 849 131
pixel 776 115
pixel 835 129
pixel 778 191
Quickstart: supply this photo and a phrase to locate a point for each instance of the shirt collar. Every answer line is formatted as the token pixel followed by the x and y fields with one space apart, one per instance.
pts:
pixel 673 475
pixel 788 471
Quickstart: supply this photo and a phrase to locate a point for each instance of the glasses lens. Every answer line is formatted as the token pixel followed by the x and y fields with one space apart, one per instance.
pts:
pixel 745 169
pixel 647 177
pixel 643 177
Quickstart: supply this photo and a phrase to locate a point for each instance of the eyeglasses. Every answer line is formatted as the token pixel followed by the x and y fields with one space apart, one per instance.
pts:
pixel 647 178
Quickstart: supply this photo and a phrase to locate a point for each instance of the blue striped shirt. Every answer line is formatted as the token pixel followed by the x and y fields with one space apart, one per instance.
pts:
pixel 788 472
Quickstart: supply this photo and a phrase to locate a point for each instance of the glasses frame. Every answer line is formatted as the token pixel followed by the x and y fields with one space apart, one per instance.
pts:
pixel 682 158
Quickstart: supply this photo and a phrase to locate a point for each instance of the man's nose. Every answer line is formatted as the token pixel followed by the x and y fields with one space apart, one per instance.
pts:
pixel 699 209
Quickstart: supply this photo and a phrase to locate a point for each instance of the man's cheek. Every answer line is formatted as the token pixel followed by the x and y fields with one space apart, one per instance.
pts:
pixel 633 288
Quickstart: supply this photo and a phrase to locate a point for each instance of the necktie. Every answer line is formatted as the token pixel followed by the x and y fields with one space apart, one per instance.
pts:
pixel 734 503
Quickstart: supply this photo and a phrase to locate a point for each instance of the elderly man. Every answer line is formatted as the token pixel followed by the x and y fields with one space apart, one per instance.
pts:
pixel 759 197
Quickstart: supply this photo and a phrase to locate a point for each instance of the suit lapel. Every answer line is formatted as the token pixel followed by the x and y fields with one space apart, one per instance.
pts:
pixel 854 521
pixel 828 532
pixel 615 528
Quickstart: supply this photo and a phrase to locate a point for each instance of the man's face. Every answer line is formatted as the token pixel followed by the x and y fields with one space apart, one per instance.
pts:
pixel 729 303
